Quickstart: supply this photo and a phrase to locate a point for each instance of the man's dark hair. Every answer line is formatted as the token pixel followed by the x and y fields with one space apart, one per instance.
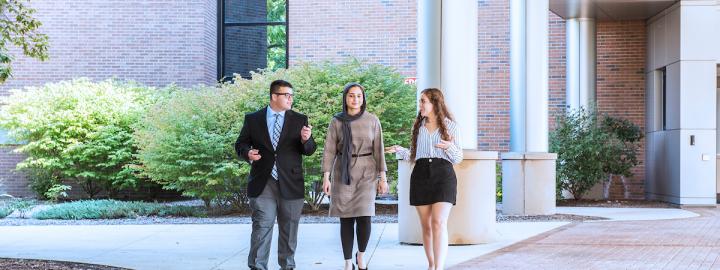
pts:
pixel 276 84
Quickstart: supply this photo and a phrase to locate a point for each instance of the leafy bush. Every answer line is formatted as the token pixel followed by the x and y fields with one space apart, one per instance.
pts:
pixel 591 147
pixel 77 131
pixel 318 94
pixel 40 181
pixel 5 210
pixel 186 142
pixel 57 191
pixel 23 206
pixel 581 147
pixel 112 209
pixel 625 139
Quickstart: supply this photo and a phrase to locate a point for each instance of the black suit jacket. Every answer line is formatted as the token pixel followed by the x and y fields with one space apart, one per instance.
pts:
pixel 288 154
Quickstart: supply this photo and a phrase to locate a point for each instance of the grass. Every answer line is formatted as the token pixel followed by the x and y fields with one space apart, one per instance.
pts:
pixel 112 209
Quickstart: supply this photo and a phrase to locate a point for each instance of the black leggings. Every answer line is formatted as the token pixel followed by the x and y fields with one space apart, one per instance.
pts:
pixel 346 234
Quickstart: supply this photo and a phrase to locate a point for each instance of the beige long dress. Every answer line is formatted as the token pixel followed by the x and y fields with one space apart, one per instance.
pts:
pixel 358 198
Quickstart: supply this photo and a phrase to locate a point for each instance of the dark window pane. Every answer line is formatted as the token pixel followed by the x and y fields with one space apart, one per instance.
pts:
pixel 245 50
pixel 245 11
pixel 254 36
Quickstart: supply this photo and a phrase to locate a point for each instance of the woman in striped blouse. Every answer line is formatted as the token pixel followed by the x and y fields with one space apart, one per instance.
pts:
pixel 433 185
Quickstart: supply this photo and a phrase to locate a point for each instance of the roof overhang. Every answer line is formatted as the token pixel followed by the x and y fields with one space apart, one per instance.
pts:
pixel 609 10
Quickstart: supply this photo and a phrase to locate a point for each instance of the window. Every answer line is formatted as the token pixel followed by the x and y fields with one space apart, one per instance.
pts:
pixel 252 35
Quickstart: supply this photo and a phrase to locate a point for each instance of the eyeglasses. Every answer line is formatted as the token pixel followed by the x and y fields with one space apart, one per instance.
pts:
pixel 287 95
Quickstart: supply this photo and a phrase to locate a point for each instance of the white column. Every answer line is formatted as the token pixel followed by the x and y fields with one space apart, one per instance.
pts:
pixel 447 59
pixel 536 75
pixel 581 62
pixel 517 76
pixel 528 170
pixel 459 50
pixel 529 76
pixel 428 44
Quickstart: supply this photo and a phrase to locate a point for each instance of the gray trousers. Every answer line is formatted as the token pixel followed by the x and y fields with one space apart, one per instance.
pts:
pixel 265 208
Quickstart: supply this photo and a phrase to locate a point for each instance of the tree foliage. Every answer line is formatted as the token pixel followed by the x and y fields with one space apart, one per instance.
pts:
pixel 19 28
pixel 78 131
pixel 186 142
pixel 592 147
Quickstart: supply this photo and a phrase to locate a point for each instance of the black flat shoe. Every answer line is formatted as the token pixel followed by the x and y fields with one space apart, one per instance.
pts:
pixel 358 263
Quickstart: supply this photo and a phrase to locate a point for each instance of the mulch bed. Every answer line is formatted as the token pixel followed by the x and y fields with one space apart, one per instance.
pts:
pixel 27 264
pixel 616 203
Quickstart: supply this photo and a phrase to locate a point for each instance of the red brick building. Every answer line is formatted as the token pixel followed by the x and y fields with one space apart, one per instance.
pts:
pixel 161 42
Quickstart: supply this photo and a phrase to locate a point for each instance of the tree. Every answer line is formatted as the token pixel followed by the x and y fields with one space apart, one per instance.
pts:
pixel 591 148
pixel 625 139
pixel 582 148
pixel 276 35
pixel 18 27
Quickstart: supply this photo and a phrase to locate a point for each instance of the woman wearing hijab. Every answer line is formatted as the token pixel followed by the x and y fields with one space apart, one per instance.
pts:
pixel 355 161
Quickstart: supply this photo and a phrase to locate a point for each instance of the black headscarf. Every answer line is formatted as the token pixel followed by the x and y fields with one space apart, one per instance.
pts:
pixel 345 118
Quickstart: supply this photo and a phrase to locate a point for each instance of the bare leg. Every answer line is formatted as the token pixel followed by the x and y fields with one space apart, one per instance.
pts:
pixel 425 213
pixel 439 217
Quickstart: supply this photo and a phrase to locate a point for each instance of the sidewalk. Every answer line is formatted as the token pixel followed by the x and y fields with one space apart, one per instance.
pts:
pixel 684 243
pixel 226 246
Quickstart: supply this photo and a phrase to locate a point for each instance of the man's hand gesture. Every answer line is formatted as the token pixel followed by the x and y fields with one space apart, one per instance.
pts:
pixel 305 133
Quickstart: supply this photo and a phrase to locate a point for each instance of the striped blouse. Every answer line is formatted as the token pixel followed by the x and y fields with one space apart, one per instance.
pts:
pixel 426 145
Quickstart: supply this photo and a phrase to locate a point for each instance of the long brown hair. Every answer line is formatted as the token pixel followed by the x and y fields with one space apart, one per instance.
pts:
pixel 435 96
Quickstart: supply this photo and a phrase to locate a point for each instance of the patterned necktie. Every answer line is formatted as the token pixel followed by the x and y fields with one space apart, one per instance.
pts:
pixel 275 138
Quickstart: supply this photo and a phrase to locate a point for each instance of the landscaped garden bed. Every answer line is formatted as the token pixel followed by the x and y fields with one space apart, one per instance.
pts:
pixel 28 264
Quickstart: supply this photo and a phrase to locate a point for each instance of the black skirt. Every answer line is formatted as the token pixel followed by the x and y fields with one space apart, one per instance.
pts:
pixel 432 180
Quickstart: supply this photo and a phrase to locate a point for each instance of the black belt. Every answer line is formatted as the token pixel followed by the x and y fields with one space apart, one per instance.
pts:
pixel 354 155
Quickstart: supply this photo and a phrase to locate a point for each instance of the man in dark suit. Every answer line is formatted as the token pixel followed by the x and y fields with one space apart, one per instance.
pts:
pixel 273 141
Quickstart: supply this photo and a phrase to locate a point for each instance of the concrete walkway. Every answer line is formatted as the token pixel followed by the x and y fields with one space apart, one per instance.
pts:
pixel 226 246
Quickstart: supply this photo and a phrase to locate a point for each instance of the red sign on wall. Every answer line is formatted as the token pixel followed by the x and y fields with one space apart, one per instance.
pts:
pixel 410 80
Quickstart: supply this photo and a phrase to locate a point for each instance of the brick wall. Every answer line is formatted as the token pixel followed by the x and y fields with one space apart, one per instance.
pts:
pixel 210 41
pixel 620 81
pixel 382 32
pixel 12 182
pixel 621 84
pixel 156 42
pixel 328 30
pixel 556 71
pixel 493 75
pixel 151 41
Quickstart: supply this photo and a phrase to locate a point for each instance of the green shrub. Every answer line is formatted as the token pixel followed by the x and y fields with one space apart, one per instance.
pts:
pixel 112 209
pixel 77 131
pixel 40 181
pixel 181 211
pixel 5 210
pixel 580 143
pixel 625 138
pixel 187 141
pixel 318 94
pixel 56 192
pixel 592 148
pixel 23 206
